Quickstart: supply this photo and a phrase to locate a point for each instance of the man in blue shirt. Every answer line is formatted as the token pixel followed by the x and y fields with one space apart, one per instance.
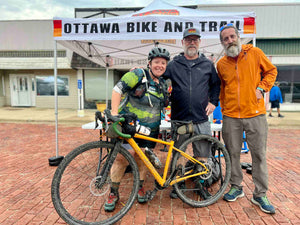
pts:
pixel 275 99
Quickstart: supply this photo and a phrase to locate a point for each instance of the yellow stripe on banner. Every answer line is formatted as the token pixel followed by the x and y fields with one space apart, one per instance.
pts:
pixel 57 32
pixel 249 29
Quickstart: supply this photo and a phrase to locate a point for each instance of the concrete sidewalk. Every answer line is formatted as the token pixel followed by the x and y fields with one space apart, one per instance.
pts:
pixel 69 117
pixel 45 116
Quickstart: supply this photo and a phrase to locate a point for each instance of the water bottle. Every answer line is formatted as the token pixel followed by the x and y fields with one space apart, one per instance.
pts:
pixel 168 113
pixel 153 158
pixel 142 129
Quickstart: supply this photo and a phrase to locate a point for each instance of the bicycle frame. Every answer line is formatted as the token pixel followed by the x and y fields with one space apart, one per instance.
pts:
pixel 162 179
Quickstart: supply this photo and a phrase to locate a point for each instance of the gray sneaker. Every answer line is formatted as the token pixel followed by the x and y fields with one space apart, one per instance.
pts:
pixel 233 194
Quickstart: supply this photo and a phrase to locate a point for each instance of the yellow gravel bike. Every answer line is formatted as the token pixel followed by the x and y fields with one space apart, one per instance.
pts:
pixel 81 183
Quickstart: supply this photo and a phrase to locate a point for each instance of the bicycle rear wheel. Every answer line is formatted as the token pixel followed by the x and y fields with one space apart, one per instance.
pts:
pixel 78 192
pixel 202 191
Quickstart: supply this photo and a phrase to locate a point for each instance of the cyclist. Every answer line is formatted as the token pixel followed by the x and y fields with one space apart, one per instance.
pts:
pixel 145 95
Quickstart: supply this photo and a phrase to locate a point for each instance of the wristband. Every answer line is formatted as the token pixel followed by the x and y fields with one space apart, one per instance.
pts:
pixel 262 90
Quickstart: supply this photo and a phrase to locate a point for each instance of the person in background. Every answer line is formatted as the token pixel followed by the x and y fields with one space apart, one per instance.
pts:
pixel 245 73
pixel 195 91
pixel 217 115
pixel 275 99
pixel 146 95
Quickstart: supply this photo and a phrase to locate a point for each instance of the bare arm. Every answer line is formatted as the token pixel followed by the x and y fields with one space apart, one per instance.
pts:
pixel 115 102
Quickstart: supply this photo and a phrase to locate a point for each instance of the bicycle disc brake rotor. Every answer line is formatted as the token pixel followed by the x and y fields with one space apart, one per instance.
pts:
pixel 208 174
pixel 99 187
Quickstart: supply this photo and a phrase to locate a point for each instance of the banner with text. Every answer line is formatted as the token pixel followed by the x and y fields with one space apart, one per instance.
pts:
pixel 147 27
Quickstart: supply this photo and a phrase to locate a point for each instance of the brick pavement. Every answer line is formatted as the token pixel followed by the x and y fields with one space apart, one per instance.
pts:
pixel 25 179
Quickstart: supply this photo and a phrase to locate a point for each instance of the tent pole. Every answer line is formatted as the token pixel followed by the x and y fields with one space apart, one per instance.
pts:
pixel 54 161
pixel 106 86
pixel 55 97
pixel 107 64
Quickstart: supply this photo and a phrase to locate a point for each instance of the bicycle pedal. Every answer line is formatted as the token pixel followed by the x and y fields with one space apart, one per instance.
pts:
pixel 150 194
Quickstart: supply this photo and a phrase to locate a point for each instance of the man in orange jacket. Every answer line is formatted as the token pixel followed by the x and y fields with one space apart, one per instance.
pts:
pixel 245 73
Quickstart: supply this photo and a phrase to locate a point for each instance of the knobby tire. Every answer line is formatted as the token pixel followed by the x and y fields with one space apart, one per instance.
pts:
pixel 75 196
pixel 190 191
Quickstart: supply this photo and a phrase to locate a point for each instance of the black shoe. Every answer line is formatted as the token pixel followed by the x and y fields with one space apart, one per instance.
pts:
pixel 270 115
pixel 202 191
pixel 173 193
pixel 280 116
pixel 245 165
pixel 249 170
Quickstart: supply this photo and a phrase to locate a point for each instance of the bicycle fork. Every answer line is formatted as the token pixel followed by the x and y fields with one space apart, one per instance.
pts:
pixel 107 165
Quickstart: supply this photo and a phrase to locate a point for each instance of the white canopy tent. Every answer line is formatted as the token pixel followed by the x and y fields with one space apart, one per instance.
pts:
pixel 128 39
pixel 123 42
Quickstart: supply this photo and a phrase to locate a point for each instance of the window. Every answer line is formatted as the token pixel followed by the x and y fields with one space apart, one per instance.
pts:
pixel 289 83
pixel 95 86
pixel 45 85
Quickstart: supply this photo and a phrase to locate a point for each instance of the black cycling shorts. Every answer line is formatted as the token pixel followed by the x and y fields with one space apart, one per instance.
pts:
pixel 275 104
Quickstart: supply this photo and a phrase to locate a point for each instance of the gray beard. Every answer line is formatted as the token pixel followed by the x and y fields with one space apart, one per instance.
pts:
pixel 191 52
pixel 234 50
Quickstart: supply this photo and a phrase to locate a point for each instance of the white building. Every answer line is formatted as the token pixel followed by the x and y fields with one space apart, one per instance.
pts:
pixel 26 60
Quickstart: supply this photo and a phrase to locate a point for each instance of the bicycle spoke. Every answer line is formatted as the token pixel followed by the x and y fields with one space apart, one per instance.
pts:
pixel 208 188
pixel 79 195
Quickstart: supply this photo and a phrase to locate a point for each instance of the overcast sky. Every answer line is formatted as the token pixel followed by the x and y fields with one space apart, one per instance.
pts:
pixel 47 9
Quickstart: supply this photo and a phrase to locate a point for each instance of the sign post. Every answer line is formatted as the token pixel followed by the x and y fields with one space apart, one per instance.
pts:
pixel 80 111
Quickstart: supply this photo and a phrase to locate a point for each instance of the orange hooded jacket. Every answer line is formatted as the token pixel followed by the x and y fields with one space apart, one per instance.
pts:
pixel 239 80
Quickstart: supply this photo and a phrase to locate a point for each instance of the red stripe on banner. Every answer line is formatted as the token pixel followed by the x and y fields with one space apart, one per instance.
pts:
pixel 172 12
pixel 57 24
pixel 249 21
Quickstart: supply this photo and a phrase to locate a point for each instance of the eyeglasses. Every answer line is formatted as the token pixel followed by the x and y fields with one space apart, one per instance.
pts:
pixel 190 40
pixel 226 25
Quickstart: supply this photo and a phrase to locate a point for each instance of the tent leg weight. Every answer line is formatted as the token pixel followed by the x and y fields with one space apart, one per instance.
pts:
pixel 55 161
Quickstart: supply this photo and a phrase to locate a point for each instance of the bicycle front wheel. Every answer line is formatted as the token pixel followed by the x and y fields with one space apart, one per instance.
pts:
pixel 79 191
pixel 202 190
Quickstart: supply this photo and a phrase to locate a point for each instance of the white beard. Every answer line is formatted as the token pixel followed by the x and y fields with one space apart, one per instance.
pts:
pixel 234 50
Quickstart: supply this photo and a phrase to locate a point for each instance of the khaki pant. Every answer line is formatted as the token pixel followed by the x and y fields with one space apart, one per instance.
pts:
pixel 200 148
pixel 256 130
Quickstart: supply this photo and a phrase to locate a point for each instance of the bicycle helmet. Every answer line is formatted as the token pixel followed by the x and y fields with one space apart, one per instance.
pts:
pixel 159 52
